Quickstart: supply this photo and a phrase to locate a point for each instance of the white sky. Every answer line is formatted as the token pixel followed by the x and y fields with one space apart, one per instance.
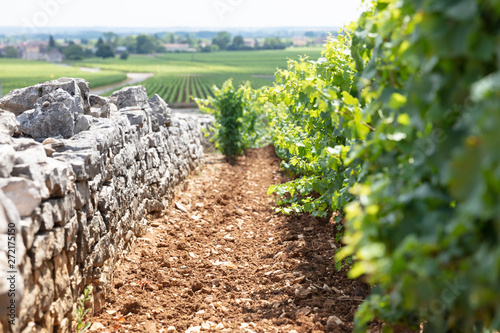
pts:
pixel 178 13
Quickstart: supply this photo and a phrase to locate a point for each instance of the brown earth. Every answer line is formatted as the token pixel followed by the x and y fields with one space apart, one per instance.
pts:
pixel 222 260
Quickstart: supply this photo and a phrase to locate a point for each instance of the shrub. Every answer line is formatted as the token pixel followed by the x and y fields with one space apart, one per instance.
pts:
pixel 315 118
pixel 124 55
pixel 238 123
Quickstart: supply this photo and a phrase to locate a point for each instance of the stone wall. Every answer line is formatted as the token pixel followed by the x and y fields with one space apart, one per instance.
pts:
pixel 78 175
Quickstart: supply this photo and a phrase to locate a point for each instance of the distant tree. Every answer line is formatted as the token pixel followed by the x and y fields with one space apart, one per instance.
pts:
pixel 124 55
pixel 238 43
pixel 11 52
pixel 192 40
pixel 206 48
pixel 273 43
pixel 100 42
pixel 222 39
pixel 105 51
pixel 84 41
pixel 145 44
pixel 89 53
pixel 111 38
pixel 310 34
pixel 73 52
pixel 130 43
pixel 52 42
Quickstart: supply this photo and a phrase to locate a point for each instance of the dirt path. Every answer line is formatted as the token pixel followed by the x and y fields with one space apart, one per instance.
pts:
pixel 221 260
pixel 132 78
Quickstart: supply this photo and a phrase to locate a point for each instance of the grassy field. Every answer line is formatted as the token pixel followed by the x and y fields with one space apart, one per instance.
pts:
pixel 17 73
pixel 181 76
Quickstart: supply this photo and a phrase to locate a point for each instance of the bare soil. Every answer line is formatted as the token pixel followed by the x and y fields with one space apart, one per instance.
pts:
pixel 222 260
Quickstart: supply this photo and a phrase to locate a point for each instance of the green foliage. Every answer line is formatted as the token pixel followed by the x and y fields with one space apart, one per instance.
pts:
pixel 105 51
pixel 11 52
pixel 426 225
pixel 222 39
pixel 124 55
pixel 145 44
pixel 273 43
pixel 52 42
pixel 238 124
pixel 399 124
pixel 81 312
pixel 315 119
pixel 74 52
pixel 238 42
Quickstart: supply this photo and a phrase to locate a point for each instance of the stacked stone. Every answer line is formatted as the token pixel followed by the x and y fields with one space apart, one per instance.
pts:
pixel 78 175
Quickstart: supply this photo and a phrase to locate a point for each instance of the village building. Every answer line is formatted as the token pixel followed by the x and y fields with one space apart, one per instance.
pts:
pixel 300 41
pixel 39 51
pixel 177 47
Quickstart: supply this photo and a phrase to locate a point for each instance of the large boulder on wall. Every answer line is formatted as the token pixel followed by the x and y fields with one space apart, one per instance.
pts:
pixel 21 100
pixel 54 115
pixel 135 96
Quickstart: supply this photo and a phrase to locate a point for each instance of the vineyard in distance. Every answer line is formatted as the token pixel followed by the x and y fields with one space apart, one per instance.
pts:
pixel 181 77
pixel 178 77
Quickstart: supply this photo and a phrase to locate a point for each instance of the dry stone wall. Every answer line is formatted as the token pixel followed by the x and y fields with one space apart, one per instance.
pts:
pixel 78 175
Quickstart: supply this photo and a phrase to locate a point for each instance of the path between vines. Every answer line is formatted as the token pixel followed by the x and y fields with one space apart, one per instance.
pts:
pixel 222 260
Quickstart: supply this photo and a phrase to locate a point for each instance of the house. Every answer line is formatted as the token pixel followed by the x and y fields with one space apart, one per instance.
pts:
pixel 54 56
pixel 249 42
pixel 33 50
pixel 299 41
pixel 39 51
pixel 204 44
pixel 320 40
pixel 176 47
pixel 121 49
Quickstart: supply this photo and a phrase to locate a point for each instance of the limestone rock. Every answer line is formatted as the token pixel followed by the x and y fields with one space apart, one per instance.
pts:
pixel 135 116
pixel 161 111
pixel 135 96
pixel 333 322
pixel 58 177
pixel 101 251
pixel 82 123
pixel 7 160
pixel 100 107
pixel 52 119
pixel 77 88
pixel 8 123
pixel 29 153
pixel 32 172
pixel 20 100
pixel 24 193
pixel 8 212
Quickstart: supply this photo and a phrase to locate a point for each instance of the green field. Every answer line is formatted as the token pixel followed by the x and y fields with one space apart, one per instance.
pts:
pixel 17 73
pixel 181 76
